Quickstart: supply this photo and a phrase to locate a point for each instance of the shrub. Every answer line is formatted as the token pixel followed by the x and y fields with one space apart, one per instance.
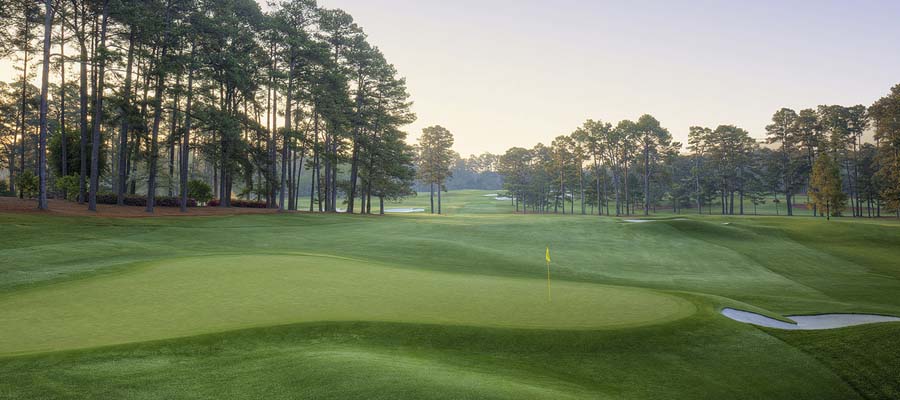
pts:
pixel 68 185
pixel 239 203
pixel 4 188
pixel 141 201
pixel 73 153
pixel 199 190
pixel 27 183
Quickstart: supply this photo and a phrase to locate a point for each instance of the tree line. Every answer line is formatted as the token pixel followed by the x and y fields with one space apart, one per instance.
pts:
pixel 150 96
pixel 843 160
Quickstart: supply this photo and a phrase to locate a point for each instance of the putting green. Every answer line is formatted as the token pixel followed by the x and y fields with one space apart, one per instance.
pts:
pixel 189 296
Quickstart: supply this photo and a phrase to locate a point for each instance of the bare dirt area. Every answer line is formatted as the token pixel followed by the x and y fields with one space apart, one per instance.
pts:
pixel 70 208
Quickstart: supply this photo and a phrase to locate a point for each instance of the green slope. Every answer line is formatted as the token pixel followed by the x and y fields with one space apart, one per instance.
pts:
pixel 189 296
pixel 421 306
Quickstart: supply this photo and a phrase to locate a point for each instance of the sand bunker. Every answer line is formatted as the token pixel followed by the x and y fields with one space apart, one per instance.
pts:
pixel 503 198
pixel 404 210
pixel 638 221
pixel 807 322
pixel 490 195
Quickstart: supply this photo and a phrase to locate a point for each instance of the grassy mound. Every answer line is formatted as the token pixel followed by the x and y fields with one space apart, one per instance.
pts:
pixel 421 306
pixel 194 295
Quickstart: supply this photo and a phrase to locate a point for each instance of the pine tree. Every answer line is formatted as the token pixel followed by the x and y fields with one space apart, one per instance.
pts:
pixel 825 186
pixel 434 159
pixel 886 119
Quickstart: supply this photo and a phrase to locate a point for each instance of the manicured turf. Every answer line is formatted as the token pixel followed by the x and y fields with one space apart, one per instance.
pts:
pixel 421 306
pixel 189 296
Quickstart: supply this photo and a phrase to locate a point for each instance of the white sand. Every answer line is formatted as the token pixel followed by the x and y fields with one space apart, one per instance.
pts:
pixel 504 198
pixel 807 322
pixel 638 221
pixel 491 195
pixel 404 210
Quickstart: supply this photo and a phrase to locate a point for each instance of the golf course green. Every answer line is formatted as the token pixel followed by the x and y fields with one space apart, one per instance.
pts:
pixel 196 295
pixel 296 305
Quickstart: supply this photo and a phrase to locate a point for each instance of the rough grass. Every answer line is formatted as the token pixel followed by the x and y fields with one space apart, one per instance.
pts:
pixel 461 324
pixel 866 356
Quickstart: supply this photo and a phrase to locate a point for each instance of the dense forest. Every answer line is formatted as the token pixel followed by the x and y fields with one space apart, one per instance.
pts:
pixel 842 160
pixel 171 101
pixel 473 172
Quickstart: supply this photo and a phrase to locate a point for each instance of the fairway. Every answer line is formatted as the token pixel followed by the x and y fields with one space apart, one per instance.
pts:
pixel 196 295
pixel 443 307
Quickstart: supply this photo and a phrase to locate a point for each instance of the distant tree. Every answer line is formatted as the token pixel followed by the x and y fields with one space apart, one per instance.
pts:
pixel 391 173
pixel 624 134
pixel 846 126
pixel 885 115
pixel 858 123
pixel 651 139
pixel 435 158
pixel 580 144
pixel 783 132
pixel 561 150
pixel 699 139
pixel 869 181
pixel 516 169
pixel 475 172
pixel 757 183
pixel 595 137
pixel 811 137
pixel 825 186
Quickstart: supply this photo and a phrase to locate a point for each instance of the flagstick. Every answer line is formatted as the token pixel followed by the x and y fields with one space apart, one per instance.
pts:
pixel 548 281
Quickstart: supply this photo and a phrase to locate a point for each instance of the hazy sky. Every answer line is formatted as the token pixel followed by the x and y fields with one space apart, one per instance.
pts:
pixel 503 73
pixel 508 73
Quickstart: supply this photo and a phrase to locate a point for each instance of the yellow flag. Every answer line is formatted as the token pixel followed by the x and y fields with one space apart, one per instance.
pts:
pixel 547 256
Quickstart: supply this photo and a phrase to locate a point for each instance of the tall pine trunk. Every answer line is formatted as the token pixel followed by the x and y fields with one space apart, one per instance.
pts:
pixel 22 127
pixel 287 133
pixel 646 180
pixel 123 134
pixel 98 114
pixel 327 167
pixel 627 204
pixel 62 97
pixel 172 134
pixel 42 139
pixel 159 92
pixel 83 108
pixel 334 171
pixel 186 138
pixel 354 162
pixel 314 175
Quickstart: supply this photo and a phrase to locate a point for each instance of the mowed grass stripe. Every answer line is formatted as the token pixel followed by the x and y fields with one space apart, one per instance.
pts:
pixel 196 295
